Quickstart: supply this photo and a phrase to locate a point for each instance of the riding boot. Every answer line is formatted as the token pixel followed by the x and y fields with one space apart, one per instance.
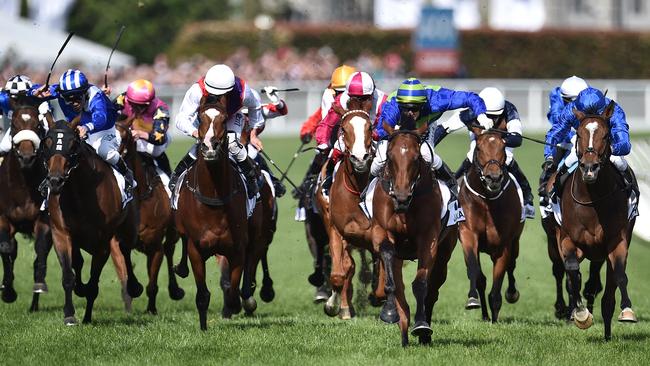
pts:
pixel 163 163
pixel 464 166
pixel 314 168
pixel 327 182
pixel 182 166
pixel 629 179
pixel 446 175
pixel 529 207
pixel 248 168
pixel 280 189
pixel 557 185
pixel 123 169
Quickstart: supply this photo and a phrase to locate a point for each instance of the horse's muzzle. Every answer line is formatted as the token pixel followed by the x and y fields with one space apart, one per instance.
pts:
pixel 26 160
pixel 589 172
pixel 493 182
pixel 401 201
pixel 55 183
pixel 360 165
pixel 211 153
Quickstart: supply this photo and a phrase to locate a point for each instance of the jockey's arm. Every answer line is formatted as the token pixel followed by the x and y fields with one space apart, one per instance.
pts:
pixel 4 103
pixel 390 115
pixel 273 110
pixel 186 120
pixel 158 134
pixel 556 104
pixel 558 131
pixel 446 99
pixel 620 133
pixel 325 128
pixel 100 109
pixel 255 117
pixel 513 126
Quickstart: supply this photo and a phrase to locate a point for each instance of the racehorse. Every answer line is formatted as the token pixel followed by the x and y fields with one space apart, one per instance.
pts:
pixel 156 219
pixel 595 221
pixel 21 173
pixel 348 225
pixel 86 212
pixel 492 223
pixel 211 213
pixel 406 225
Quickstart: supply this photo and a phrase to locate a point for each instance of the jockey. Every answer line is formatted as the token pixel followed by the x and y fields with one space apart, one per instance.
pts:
pixel 77 97
pixel 560 96
pixel 151 120
pixel 218 81
pixel 276 108
pixel 413 104
pixel 340 76
pixel 360 87
pixel 15 93
pixel 592 101
pixel 497 107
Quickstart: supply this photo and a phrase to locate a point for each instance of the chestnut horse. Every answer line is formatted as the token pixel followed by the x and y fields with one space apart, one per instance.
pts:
pixel 86 212
pixel 492 223
pixel 406 225
pixel 156 219
pixel 211 214
pixel 348 225
pixel 595 221
pixel 21 173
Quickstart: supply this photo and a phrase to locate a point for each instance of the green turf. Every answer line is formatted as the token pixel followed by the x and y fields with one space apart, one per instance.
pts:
pixel 292 330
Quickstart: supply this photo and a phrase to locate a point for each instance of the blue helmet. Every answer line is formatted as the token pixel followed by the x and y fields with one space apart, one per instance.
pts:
pixel 73 82
pixel 591 101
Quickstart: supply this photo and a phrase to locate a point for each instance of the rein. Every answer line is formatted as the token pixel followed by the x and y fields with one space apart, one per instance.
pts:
pixel 209 201
pixel 592 202
pixel 469 187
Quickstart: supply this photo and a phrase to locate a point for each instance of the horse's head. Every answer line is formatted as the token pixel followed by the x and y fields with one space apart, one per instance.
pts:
pixel 592 145
pixel 123 128
pixel 490 160
pixel 403 164
pixel 357 137
pixel 61 148
pixel 212 127
pixel 25 134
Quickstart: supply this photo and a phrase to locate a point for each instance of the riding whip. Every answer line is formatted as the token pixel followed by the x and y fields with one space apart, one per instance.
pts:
pixel 47 81
pixel 522 136
pixel 295 155
pixel 108 64
pixel 284 90
pixel 267 157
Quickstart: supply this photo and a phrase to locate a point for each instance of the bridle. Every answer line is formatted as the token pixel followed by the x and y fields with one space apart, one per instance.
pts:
pixel 387 180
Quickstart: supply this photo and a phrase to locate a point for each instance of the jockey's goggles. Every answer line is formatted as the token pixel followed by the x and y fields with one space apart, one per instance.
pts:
pixel 410 107
pixel 72 97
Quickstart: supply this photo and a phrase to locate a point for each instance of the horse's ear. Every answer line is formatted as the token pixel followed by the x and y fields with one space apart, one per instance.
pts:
pixel 579 115
pixel 75 122
pixel 422 129
pixel 387 127
pixel 609 110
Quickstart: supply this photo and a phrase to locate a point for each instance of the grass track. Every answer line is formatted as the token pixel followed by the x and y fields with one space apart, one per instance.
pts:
pixel 292 330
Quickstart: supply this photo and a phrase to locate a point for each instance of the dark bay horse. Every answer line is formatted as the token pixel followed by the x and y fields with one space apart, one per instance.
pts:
pixel 86 212
pixel 492 223
pixel 348 225
pixel 406 225
pixel 595 224
pixel 157 235
pixel 211 213
pixel 21 173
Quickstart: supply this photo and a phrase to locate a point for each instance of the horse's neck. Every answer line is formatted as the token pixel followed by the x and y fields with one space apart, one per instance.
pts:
pixel 215 175
pixel 31 177
pixel 606 183
pixel 358 180
pixel 87 175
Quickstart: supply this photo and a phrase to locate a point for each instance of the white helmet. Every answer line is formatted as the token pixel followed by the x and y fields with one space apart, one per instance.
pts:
pixel 494 100
pixel 360 84
pixel 219 80
pixel 572 86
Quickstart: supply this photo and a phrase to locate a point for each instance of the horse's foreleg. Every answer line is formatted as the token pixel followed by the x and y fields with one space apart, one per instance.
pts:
pixel 267 294
pixel 232 299
pixel 618 258
pixel 202 292
pixel 561 311
pixel 133 286
pixel 92 287
pixel 498 272
pixel 593 285
pixel 9 294
pixel 42 246
pixel 181 268
pixel 154 260
pixel 347 310
pixel 512 294
pixel 608 301
pixel 469 242
pixel 337 276
pixel 402 310
pixel 175 291
pixel 120 269
pixel 378 294
pixel 317 250
pixel 389 311
pixel 63 248
pixel 581 315
pixel 248 282
pixel 426 249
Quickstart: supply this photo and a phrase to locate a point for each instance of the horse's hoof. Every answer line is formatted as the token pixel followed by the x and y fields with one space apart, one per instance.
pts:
pixel 421 329
pixel 226 313
pixel 249 305
pixel 152 311
pixel 134 288
pixel 40 288
pixel 333 305
pixel 424 340
pixel 70 320
pixel 7 247
pixel 267 294
pixel 316 279
pixel 321 295
pixel 9 295
pixel 176 293
pixel 181 271
pixel 472 303
pixel 512 297
pixel 561 312
pixel 365 276
pixel 627 316
pixel 583 318
pixel 346 313
pixel 375 301
pixel 388 313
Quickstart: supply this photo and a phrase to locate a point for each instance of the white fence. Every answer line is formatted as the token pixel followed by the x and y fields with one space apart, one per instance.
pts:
pixel 530 97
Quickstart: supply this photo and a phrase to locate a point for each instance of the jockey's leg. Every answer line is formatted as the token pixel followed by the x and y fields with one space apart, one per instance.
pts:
pixel 245 163
pixel 335 155
pixel 316 164
pixel 629 178
pixel 157 152
pixel 378 162
pixel 441 169
pixel 106 143
pixel 529 207
pixel 186 162
pixel 5 144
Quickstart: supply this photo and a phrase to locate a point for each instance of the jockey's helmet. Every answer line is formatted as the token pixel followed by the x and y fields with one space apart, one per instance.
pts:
pixel 18 84
pixel 591 101
pixel 411 91
pixel 73 82
pixel 494 101
pixel 219 79
pixel 360 84
pixel 572 86
pixel 340 76
pixel 140 92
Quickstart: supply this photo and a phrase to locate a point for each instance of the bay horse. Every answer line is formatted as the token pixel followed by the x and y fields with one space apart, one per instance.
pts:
pixel 86 212
pixel 595 223
pixel 157 235
pixel 348 225
pixel 21 173
pixel 406 225
pixel 211 214
pixel 492 223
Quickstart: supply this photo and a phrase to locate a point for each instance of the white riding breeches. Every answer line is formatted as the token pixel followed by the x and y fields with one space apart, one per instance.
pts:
pixel 426 150
pixel 148 148
pixel 5 144
pixel 619 161
pixel 106 143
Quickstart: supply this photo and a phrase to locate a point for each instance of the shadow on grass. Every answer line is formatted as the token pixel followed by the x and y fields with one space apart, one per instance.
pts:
pixel 627 337
pixel 126 320
pixel 464 342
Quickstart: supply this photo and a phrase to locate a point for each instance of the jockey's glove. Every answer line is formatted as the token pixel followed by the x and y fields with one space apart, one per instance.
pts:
pixel 306 138
pixel 485 121
pixel 548 163
pixel 271 92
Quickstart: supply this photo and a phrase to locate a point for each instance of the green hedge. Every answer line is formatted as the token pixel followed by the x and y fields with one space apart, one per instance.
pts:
pixel 483 53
